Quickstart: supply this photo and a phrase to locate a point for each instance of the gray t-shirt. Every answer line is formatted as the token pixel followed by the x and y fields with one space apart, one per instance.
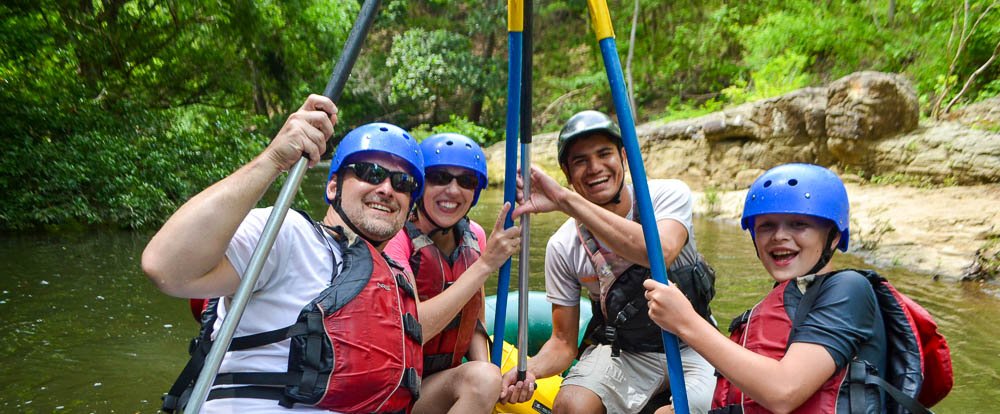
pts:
pixel 567 266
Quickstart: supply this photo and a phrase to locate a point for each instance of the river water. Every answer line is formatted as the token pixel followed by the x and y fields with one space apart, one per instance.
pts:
pixel 84 331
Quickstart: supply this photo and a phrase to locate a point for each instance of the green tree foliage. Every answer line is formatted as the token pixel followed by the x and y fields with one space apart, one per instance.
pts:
pixel 116 111
pixel 433 69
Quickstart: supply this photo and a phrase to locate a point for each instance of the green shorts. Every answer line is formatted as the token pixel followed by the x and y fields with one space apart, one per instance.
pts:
pixel 627 382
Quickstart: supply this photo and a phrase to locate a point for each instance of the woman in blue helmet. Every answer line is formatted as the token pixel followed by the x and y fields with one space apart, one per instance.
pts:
pixel 445 249
pixel 797 215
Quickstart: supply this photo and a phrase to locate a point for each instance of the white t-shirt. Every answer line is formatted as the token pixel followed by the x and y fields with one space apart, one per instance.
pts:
pixel 568 267
pixel 297 270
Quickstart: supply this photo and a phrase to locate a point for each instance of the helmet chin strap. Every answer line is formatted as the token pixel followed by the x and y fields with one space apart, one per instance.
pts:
pixel 617 199
pixel 343 215
pixel 827 252
pixel 437 227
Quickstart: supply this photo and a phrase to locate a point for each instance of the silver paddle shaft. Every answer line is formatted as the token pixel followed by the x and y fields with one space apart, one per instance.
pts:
pixel 523 262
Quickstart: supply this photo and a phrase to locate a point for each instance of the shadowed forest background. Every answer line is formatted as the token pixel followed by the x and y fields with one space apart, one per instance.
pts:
pixel 114 112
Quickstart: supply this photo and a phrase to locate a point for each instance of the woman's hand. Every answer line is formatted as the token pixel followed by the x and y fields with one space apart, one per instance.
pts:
pixel 502 242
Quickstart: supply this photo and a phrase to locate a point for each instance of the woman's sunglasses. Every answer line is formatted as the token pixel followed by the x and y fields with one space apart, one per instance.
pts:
pixel 375 174
pixel 439 177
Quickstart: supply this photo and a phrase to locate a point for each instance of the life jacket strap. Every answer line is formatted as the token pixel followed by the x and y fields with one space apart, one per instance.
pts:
pixel 405 285
pixel 436 363
pixel 257 378
pixel 259 392
pixel 729 409
pixel 859 378
pixel 412 328
pixel 411 381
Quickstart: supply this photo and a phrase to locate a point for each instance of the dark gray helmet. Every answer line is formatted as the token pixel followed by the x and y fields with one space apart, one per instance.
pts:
pixel 586 123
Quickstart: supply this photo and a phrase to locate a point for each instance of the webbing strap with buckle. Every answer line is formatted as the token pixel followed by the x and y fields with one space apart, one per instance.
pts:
pixel 412 328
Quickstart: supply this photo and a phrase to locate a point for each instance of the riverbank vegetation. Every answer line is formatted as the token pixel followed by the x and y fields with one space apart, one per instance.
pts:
pixel 116 111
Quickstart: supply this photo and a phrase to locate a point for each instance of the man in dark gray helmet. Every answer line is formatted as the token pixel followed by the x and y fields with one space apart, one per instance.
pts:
pixel 601 247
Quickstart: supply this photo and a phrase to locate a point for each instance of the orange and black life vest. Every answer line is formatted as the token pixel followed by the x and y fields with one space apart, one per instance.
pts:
pixel 355 348
pixel 434 273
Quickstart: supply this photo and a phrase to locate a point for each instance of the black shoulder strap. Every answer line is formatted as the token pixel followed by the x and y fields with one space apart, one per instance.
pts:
pixel 807 302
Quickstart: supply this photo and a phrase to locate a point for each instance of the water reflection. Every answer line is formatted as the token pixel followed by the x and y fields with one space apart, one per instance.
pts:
pixel 84 331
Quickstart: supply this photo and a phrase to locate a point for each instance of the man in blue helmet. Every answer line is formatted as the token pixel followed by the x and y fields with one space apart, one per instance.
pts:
pixel 601 247
pixel 331 325
pixel 787 355
pixel 451 258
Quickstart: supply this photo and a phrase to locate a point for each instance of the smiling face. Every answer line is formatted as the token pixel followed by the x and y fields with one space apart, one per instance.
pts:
pixel 377 210
pixel 594 168
pixel 789 245
pixel 446 204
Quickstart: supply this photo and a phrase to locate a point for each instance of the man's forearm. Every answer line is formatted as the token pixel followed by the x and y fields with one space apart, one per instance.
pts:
pixel 193 241
pixel 554 358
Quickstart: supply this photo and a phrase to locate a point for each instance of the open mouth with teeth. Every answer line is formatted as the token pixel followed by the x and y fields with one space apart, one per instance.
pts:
pixel 783 257
pixel 380 207
pixel 598 182
pixel 447 206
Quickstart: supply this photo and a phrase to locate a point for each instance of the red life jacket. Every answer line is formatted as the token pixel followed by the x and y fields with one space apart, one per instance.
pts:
pixel 918 371
pixel 355 348
pixel 433 275
pixel 765 331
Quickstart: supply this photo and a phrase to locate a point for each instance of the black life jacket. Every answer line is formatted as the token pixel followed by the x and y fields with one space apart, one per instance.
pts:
pixel 622 296
pixel 356 347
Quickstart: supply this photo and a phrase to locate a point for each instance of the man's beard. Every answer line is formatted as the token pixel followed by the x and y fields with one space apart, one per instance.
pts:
pixel 376 228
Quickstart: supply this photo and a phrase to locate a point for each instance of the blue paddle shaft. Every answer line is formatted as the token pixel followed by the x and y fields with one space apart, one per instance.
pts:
pixel 650 233
pixel 514 40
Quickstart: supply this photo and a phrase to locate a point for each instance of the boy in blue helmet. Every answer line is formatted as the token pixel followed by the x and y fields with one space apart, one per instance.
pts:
pixel 325 284
pixel 780 359
pixel 443 248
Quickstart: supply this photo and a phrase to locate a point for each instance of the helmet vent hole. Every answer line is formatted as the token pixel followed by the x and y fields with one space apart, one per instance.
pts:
pixel 449 143
pixel 467 145
pixel 793 182
pixel 384 129
pixel 405 135
pixel 767 183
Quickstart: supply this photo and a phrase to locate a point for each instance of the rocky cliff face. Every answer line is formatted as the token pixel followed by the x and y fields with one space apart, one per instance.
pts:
pixel 865 123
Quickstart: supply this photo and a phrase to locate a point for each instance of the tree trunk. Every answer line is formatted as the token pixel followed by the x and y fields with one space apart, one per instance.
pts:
pixel 628 60
pixel 259 100
pixel 891 13
pixel 479 96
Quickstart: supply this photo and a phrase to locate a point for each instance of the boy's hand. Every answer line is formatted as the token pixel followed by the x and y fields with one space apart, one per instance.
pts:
pixel 668 307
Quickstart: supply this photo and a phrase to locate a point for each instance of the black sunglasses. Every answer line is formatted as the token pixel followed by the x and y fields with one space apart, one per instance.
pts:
pixel 440 177
pixel 375 174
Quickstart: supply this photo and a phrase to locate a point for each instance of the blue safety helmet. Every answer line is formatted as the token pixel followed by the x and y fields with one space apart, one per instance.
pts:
pixel 384 138
pixel 455 150
pixel 799 189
